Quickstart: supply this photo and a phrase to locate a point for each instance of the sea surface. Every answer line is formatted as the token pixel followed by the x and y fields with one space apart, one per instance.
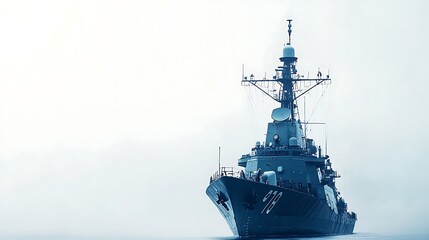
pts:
pixel 363 236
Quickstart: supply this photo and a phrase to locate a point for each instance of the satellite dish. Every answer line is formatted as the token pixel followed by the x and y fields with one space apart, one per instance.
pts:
pixel 280 114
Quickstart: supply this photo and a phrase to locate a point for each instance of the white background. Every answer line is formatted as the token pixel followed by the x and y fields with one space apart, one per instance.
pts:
pixel 111 112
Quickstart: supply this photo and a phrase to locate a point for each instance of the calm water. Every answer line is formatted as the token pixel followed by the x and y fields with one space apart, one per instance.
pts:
pixel 364 236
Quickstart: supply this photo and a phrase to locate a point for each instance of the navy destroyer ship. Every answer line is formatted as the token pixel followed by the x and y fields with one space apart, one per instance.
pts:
pixel 285 186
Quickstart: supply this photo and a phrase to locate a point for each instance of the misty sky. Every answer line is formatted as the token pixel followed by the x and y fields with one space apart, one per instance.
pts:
pixel 111 112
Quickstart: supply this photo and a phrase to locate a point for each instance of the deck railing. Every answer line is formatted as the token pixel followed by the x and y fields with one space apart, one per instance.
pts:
pixel 226 171
pixel 239 173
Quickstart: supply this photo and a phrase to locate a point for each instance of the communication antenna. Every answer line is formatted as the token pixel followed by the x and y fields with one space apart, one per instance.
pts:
pixel 305 121
pixel 219 163
pixel 289 25
pixel 326 140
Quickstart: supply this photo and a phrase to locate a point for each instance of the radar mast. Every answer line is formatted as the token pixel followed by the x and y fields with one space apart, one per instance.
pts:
pixel 286 78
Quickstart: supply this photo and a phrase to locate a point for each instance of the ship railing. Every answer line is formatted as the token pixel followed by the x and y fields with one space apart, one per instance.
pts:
pixel 239 173
pixel 226 171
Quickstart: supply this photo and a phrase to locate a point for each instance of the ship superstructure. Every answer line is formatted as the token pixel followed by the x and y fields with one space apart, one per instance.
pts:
pixel 286 186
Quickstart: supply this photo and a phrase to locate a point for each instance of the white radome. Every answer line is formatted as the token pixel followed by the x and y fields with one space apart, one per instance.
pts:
pixel 288 51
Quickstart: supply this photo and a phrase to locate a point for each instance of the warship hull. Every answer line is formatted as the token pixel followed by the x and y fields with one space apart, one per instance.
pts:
pixel 254 209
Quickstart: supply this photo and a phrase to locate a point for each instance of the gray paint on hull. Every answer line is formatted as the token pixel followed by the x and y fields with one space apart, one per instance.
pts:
pixel 295 213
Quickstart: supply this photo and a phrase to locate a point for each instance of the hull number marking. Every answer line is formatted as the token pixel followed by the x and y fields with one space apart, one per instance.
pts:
pixel 272 197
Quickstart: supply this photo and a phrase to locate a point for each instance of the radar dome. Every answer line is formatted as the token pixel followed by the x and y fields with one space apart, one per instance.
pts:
pixel 293 141
pixel 288 51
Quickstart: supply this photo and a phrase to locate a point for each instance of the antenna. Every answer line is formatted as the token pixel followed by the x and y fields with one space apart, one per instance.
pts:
pixel 305 121
pixel 220 174
pixel 326 140
pixel 289 29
